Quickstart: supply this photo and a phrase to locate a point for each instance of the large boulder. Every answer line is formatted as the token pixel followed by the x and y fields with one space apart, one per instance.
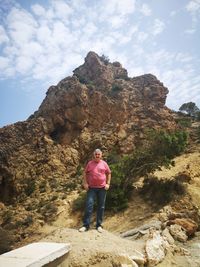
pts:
pixel 188 224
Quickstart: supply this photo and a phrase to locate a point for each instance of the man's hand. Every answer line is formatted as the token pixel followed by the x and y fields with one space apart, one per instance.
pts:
pixel 107 186
pixel 86 186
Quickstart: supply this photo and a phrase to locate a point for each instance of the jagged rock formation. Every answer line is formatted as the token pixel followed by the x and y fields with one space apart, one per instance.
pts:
pixel 106 104
pixel 99 106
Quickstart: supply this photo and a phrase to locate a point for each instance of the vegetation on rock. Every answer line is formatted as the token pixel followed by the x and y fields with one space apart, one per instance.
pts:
pixel 105 59
pixel 161 191
pixel 158 150
pixel 5 241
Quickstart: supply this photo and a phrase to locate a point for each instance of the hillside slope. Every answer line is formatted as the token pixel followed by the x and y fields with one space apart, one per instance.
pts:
pixel 41 161
pixel 110 249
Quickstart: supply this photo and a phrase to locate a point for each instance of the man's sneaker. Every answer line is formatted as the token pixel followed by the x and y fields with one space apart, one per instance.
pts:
pixel 100 229
pixel 83 229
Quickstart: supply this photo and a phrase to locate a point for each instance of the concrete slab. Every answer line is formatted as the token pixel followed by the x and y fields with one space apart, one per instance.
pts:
pixel 4 262
pixel 34 255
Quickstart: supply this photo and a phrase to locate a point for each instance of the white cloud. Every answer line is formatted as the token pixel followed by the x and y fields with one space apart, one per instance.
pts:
pixel 182 90
pixel 21 25
pixel 6 68
pixel 119 7
pixel 78 23
pixel 90 29
pixel 32 50
pixel 117 21
pixel 4 63
pixel 145 10
pixel 61 34
pixel 193 6
pixel 190 31
pixel 20 15
pixel 78 4
pixel 24 64
pixel 142 36
pixel 43 34
pixel 61 9
pixel 48 43
pixel 122 39
pixel 46 38
pixel 182 85
pixel 38 10
pixel 158 26
pixel 173 13
pixel 175 70
pixel 136 71
pixel 125 39
pixel 114 13
pixel 183 58
pixel 3 36
pixel 5 7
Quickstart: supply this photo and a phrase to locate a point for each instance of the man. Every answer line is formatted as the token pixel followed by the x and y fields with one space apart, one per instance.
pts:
pixel 97 177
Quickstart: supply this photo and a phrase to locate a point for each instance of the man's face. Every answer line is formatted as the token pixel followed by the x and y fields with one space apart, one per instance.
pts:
pixel 97 156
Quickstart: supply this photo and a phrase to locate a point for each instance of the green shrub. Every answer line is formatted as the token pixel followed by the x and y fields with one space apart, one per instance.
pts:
pixel 24 221
pixel 54 197
pixel 5 241
pixel 30 188
pixel 122 76
pixel 116 88
pixel 184 122
pixel 7 216
pixel 82 79
pixel 79 203
pixel 159 150
pixel 114 156
pixel 42 186
pixel 198 133
pixel 161 191
pixel 169 145
pixel 105 59
pixel 91 85
pixel 118 196
pixel 198 116
pixel 49 211
pixel 79 170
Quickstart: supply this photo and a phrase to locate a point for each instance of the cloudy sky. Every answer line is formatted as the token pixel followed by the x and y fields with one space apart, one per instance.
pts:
pixel 42 41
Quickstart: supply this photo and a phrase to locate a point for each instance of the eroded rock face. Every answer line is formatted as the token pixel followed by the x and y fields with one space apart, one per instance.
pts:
pixel 99 106
pixel 106 105
pixel 97 70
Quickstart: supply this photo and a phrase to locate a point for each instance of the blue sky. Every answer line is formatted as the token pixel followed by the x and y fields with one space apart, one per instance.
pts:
pixel 41 42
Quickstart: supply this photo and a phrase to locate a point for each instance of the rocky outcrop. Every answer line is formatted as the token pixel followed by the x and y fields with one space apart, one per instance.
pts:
pixel 187 224
pixel 99 71
pixel 99 106
pixel 105 105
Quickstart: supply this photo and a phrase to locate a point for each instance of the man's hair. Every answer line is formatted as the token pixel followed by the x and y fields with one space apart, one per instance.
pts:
pixel 97 150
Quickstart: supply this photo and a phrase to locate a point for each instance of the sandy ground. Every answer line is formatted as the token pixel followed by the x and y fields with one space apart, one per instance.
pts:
pixel 92 248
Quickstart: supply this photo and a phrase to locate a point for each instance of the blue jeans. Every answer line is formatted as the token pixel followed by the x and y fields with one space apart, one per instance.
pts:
pixel 93 194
